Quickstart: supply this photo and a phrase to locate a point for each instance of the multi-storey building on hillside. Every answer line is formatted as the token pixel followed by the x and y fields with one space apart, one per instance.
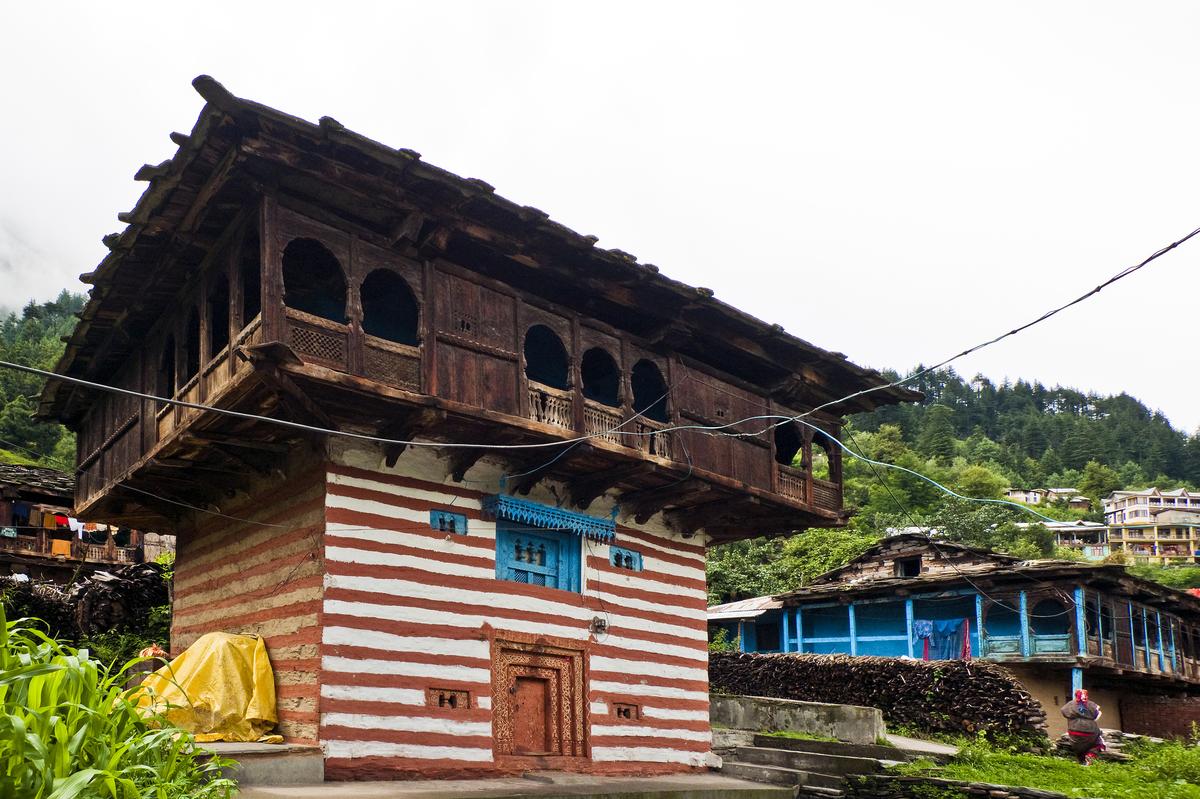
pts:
pixel 1153 526
pixel 499 564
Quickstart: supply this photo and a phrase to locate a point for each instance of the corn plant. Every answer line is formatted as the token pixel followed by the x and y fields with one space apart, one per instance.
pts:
pixel 69 729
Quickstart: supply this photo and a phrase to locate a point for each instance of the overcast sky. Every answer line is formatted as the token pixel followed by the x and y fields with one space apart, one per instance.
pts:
pixel 890 180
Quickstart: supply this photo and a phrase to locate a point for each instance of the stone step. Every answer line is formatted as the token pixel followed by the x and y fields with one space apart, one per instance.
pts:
pixel 874 751
pixel 270 764
pixel 779 775
pixel 806 761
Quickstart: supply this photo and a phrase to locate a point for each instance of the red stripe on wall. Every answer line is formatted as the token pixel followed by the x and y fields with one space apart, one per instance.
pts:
pixel 403 482
pixel 667 580
pixel 374 521
pixel 332 539
pixel 403 737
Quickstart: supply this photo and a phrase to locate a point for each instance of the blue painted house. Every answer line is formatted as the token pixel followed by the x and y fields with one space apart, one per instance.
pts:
pixel 1058 625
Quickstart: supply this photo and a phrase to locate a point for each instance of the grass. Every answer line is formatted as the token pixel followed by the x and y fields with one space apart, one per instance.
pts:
pixel 1157 771
pixel 69 730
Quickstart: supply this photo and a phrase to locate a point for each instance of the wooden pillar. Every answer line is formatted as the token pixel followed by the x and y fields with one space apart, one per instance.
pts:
pixel 1132 637
pixel 271 270
pixel 1076 680
pixel 853 631
pixel 1025 642
pixel 1146 639
pixel 979 624
pixel 799 631
pixel 741 635
pixel 1080 620
pixel 1158 624
pixel 783 630
pixel 908 621
pixel 1171 629
pixel 354 312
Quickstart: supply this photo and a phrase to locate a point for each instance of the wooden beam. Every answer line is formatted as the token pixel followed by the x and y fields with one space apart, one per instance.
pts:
pixel 537 468
pixel 204 437
pixel 645 503
pixel 407 429
pixel 586 489
pixel 295 401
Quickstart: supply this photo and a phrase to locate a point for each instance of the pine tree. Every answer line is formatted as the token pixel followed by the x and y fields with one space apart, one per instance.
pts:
pixel 937 433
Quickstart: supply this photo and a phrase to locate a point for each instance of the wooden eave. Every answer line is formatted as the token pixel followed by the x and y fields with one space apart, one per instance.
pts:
pixel 238 146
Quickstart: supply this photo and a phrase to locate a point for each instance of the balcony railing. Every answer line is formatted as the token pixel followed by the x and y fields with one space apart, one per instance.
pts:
pixel 792 483
pixel 601 420
pixel 47 547
pixel 550 406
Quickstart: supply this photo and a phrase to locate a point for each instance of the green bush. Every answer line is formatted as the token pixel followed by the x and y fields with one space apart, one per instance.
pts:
pixel 68 730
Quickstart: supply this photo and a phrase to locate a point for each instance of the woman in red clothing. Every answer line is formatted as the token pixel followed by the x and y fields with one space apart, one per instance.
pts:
pixel 1083 725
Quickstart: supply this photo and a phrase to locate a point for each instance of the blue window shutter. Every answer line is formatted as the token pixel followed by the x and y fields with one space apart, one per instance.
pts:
pixel 538 557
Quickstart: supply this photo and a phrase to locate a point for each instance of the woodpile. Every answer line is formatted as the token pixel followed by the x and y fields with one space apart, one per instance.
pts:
pixel 105 600
pixel 955 696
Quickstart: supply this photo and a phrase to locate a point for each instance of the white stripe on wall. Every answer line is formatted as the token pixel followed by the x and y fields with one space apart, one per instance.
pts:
pixel 600 663
pixel 405 669
pixel 431 591
pixel 646 754
pixel 361 721
pixel 621 689
pixel 672 714
pixel 404 491
pixel 417 751
pixel 651 732
pixel 352 636
pixel 370 693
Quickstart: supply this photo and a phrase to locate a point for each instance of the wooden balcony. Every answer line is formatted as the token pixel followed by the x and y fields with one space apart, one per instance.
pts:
pixel 74 551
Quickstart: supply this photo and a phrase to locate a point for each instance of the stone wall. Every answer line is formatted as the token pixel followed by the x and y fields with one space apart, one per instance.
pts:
pixel 1160 716
pixel 858 725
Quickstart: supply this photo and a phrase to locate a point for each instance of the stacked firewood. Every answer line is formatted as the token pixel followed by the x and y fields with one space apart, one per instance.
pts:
pixel 105 600
pixel 954 696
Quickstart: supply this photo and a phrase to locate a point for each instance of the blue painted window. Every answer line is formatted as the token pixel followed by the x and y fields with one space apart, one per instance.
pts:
pixel 537 557
pixel 448 522
pixel 625 559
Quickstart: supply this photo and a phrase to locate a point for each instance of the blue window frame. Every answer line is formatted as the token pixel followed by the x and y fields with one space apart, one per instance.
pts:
pixel 537 557
pixel 625 559
pixel 448 522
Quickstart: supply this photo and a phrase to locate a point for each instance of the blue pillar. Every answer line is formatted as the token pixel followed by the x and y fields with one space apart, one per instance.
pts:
pixel 979 624
pixel 1025 648
pixel 853 632
pixel 1076 680
pixel 1132 637
pixel 741 635
pixel 799 631
pixel 1161 658
pixel 1080 620
pixel 908 620
pixel 783 630
pixel 1146 638
pixel 1171 628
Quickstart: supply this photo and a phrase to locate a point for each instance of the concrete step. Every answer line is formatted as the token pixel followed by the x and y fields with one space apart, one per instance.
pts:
pixel 780 775
pixel 874 751
pixel 806 761
pixel 270 764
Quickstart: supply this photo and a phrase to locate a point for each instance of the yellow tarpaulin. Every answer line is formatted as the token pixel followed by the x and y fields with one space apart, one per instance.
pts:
pixel 221 688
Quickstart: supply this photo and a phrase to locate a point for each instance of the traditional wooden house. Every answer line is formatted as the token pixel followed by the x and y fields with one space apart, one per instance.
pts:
pixel 1059 625
pixel 523 583
pixel 40 537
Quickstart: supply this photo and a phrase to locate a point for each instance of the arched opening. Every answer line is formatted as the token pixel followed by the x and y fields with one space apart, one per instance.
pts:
pixel 649 391
pixel 218 315
pixel 389 308
pixel 545 358
pixel 313 281
pixel 601 377
pixel 787 443
pixel 822 457
pixel 250 274
pixel 165 383
pixel 1002 621
pixel 191 347
pixel 1050 617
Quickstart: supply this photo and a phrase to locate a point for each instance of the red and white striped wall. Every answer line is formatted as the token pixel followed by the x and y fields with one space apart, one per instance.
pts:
pixel 407 608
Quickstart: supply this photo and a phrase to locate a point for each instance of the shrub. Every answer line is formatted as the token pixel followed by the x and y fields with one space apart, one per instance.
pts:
pixel 68 730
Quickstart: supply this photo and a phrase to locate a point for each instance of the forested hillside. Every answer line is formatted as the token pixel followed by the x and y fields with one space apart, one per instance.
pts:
pixel 977 438
pixel 34 337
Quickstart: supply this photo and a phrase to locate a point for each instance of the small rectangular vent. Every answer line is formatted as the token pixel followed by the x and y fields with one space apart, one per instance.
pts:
pixel 448 522
pixel 626 712
pixel 625 559
pixel 448 699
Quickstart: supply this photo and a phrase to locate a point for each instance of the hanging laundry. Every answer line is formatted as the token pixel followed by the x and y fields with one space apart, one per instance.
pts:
pixel 946 641
pixel 8 532
pixel 923 629
pixel 20 512
pixel 75 525
pixel 966 636
pixel 48 522
pixel 60 520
